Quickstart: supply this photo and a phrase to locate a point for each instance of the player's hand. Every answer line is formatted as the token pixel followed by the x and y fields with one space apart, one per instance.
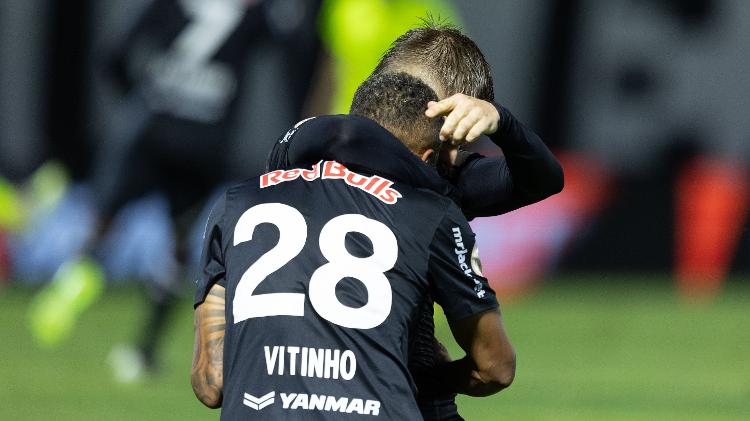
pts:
pixel 466 118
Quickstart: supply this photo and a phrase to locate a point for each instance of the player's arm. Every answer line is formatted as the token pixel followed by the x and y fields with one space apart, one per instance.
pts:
pixel 490 362
pixel 526 173
pixel 472 311
pixel 206 375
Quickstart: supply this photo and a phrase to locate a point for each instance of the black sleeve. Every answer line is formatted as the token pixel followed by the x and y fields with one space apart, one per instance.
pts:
pixel 526 173
pixel 211 269
pixel 455 273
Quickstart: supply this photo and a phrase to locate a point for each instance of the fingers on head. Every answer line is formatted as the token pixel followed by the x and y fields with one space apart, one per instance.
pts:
pixel 474 133
pixel 452 121
pixel 467 124
pixel 474 121
pixel 445 106
pixel 432 109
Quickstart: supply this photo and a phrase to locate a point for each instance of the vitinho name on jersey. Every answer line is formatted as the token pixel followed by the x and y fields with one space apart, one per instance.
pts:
pixel 310 362
pixel 332 170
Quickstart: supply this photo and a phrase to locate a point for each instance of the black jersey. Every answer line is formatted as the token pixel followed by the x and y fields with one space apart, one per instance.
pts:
pixel 481 186
pixel 325 270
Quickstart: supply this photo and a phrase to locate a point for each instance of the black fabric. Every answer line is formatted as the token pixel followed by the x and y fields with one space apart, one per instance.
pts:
pixel 358 143
pixel 424 226
pixel 440 408
pixel 422 363
pixel 526 173
pixel 212 268
pixel 452 252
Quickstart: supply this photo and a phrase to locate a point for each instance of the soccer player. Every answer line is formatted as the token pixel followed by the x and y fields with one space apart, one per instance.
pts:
pixel 312 280
pixel 526 173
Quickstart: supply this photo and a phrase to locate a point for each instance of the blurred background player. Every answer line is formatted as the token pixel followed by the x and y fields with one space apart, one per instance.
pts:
pixel 183 69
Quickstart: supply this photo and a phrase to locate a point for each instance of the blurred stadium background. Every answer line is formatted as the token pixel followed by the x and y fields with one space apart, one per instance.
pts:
pixel 626 295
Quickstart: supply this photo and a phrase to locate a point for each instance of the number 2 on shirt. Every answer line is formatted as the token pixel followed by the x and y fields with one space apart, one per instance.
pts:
pixel 322 287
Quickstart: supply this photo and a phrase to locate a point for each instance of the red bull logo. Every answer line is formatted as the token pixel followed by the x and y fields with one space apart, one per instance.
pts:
pixel 331 170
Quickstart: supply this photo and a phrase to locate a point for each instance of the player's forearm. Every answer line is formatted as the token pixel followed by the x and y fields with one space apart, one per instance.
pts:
pixel 208 359
pixel 464 377
pixel 490 362
pixel 526 173
pixel 535 171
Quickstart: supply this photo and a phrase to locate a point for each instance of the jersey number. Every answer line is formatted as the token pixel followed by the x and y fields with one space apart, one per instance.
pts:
pixel 322 287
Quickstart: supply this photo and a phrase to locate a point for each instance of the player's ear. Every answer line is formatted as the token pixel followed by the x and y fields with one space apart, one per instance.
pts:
pixel 426 155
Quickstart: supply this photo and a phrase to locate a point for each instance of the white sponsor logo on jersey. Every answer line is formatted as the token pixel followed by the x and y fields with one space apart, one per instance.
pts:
pixel 314 402
pixel 259 403
pixel 461 252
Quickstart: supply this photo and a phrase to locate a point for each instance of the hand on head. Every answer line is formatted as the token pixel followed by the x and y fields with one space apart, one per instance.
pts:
pixel 466 118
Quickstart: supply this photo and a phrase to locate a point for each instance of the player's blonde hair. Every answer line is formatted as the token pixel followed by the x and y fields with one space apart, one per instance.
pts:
pixel 445 56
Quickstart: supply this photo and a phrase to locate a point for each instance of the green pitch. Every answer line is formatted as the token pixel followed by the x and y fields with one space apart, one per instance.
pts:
pixel 609 348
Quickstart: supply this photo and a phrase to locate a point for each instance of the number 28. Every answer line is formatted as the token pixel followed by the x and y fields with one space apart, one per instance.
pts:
pixel 322 286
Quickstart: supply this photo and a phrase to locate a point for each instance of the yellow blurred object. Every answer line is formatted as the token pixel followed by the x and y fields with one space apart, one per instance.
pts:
pixel 357 33
pixel 11 215
pixel 55 310
pixel 39 193
pixel 47 185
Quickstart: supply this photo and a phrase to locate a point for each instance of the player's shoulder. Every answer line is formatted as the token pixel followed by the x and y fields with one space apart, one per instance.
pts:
pixel 241 187
pixel 244 190
pixel 237 195
pixel 334 120
pixel 445 213
pixel 329 124
pixel 438 200
pixel 425 205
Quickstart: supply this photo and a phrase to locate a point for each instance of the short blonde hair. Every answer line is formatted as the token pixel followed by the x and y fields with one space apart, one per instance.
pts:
pixel 451 59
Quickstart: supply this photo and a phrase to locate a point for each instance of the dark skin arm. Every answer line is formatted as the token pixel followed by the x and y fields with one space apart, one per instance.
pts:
pixel 206 375
pixel 490 362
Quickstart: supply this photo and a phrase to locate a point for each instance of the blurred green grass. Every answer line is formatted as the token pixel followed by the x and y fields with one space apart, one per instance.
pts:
pixel 602 347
